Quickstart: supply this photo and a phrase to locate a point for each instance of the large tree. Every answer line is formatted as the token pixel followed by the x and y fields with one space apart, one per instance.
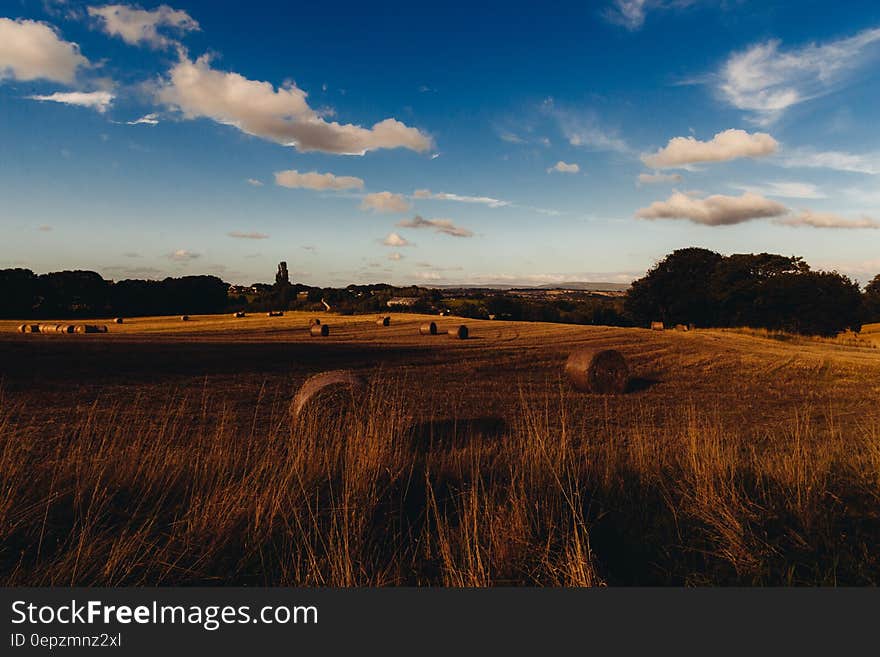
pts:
pixel 676 290
pixel 872 300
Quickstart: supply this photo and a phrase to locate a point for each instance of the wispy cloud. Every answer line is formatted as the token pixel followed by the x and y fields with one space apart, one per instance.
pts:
pixel 828 220
pixel 146 119
pixel 631 14
pixel 425 194
pixel 657 178
pixel 253 182
pixel 99 101
pixel 868 163
pixel 183 255
pixel 247 236
pixel 784 189
pixel 765 80
pixel 395 256
pixel 445 226
pixel 583 128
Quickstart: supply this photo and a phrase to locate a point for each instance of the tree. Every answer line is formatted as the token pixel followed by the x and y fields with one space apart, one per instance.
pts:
pixel 676 290
pixel 872 300
pixel 811 303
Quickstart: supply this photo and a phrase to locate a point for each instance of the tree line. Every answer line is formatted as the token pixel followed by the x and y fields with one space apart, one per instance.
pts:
pixel 87 294
pixel 704 288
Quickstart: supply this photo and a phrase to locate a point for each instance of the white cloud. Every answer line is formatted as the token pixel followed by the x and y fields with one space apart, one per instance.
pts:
pixel 147 119
pixel 427 194
pixel 765 81
pixel 99 101
pixel 385 202
pixel 563 167
pixel 393 239
pixel 253 182
pixel 314 180
pixel 631 14
pixel 395 256
pixel 30 50
pixel 586 132
pixel 283 115
pixel 717 210
pixel 835 160
pixel 828 220
pixel 445 226
pixel 655 178
pixel 784 189
pixel 138 26
pixel 183 255
pixel 247 236
pixel 727 145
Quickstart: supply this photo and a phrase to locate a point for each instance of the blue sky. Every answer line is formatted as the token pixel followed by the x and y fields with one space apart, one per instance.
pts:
pixel 493 143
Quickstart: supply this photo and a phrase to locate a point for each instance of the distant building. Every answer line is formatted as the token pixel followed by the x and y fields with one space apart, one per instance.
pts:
pixel 402 301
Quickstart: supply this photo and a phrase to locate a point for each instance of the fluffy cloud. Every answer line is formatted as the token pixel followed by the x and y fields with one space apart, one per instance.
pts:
pixel 99 101
pixel 138 26
pixel 784 190
pixel 562 167
pixel 446 196
pixel 764 80
pixel 147 119
pixel 728 145
pixel 393 239
pixel 385 202
pixel 828 220
pixel 314 180
pixel 253 182
pixel 717 210
pixel 655 178
pixel 247 236
pixel 445 226
pixel 836 160
pixel 30 50
pixel 282 115
pixel 183 255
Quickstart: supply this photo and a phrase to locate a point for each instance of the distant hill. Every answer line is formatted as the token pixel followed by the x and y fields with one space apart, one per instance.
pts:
pixel 573 285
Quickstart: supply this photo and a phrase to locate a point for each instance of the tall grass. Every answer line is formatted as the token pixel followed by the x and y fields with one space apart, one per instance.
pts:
pixel 196 491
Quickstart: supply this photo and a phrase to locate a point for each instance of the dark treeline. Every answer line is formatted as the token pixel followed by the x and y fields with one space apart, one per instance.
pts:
pixel 701 287
pixel 86 294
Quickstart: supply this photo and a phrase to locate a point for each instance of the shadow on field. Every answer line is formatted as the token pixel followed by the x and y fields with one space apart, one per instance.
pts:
pixel 454 433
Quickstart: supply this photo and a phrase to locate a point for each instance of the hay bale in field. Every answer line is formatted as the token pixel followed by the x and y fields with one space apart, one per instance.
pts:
pixel 682 327
pixel 458 333
pixel 274 313
pixel 89 328
pixel 383 321
pixel 601 371
pixel 184 318
pixel 23 328
pixel 68 328
pixel 118 320
pixel 239 314
pixel 61 328
pixel 429 328
pixel 314 321
pixel 657 326
pixel 46 328
pixel 334 391
pixel 319 331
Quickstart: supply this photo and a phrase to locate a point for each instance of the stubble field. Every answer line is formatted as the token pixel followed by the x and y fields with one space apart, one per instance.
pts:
pixel 163 452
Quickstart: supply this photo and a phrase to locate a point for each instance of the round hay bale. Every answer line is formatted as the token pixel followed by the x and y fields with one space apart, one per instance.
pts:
pixel 184 318
pixel 118 320
pixel 275 313
pixel 337 390
pixel 102 328
pixel 239 314
pixel 601 371
pixel 319 331
pixel 79 328
pixel 430 328
pixel 23 328
pixel 458 333
pixel 657 326
pixel 314 322
pixel 61 328
pixel 681 327
pixel 383 321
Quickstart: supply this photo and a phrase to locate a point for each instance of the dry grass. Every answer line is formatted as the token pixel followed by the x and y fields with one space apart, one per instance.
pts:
pixel 735 460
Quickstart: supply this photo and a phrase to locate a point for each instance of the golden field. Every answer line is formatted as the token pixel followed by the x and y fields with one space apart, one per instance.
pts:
pixel 163 452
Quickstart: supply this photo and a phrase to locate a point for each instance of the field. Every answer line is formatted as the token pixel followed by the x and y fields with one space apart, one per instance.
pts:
pixel 163 453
